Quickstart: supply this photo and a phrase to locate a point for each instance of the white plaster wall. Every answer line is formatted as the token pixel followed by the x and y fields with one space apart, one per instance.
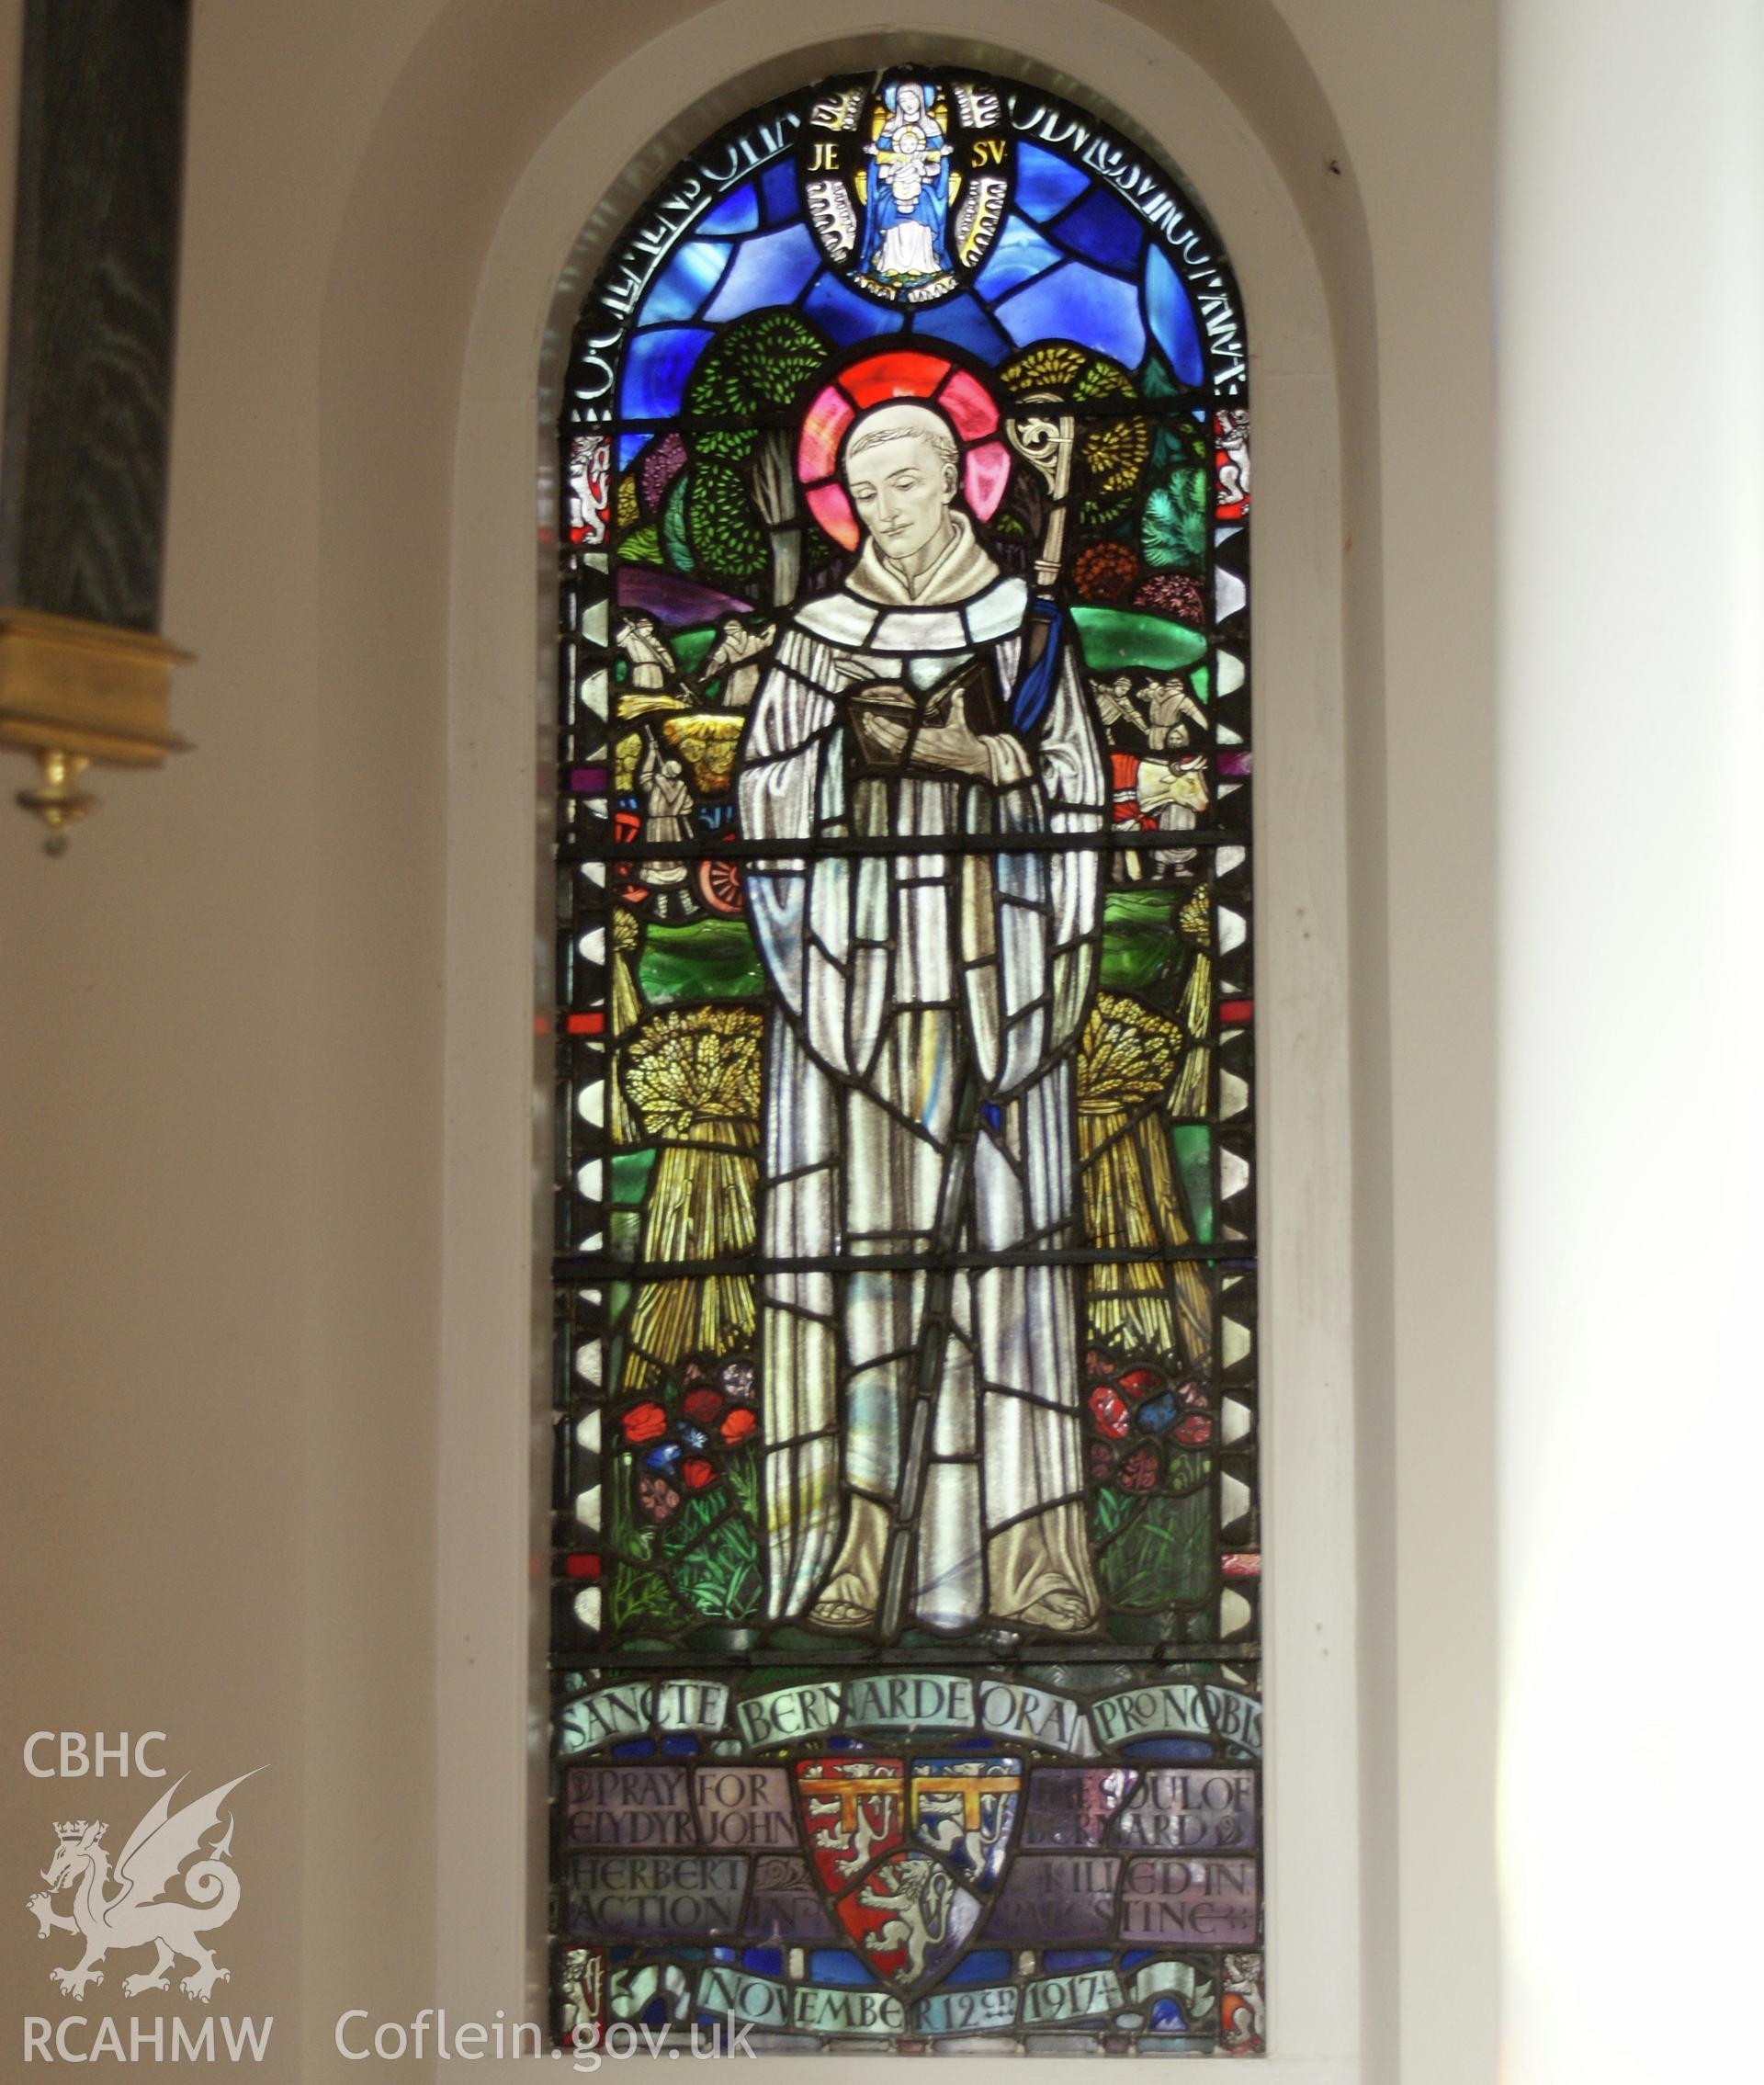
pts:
pixel 221 1265
pixel 1632 996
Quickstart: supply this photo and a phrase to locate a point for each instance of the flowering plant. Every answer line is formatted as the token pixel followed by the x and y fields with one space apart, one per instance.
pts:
pixel 1141 1417
pixel 682 1438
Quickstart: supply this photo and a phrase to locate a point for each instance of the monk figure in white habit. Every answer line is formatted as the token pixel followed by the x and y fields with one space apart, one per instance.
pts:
pixel 918 1088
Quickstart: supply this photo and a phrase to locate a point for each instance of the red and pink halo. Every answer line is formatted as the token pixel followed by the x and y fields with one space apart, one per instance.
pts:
pixel 904 372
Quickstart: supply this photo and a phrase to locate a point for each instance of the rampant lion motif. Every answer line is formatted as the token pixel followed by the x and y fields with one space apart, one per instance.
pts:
pixel 139 1915
pixel 870 1824
pixel 1240 2012
pixel 919 1902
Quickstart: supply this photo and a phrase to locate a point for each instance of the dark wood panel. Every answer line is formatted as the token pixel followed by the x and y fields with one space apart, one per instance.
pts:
pixel 94 303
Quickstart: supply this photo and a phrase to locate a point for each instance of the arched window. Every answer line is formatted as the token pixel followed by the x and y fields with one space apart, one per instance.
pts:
pixel 906 1619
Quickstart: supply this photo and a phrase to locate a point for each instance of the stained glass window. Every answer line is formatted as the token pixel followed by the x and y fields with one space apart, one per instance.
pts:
pixel 906 1650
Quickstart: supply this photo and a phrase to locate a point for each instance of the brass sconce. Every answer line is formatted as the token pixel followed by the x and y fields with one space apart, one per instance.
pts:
pixel 85 676
pixel 74 692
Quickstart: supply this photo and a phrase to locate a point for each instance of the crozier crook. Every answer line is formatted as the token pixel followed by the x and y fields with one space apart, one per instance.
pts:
pixel 1044 439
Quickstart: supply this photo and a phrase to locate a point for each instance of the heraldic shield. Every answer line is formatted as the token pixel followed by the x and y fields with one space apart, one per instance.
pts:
pixel 910 1857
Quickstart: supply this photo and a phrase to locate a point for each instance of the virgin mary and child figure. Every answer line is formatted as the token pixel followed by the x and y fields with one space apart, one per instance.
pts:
pixel 906 209
pixel 923 1445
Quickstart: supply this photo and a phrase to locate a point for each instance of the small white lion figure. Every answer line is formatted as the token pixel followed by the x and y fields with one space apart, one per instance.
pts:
pixel 920 1899
pixel 139 1915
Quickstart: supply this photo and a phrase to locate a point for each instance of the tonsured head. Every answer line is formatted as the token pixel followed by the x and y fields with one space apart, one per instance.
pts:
pixel 901 466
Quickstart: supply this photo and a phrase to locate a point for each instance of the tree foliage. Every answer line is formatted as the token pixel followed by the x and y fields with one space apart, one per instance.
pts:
pixel 721 525
pixel 736 498
pixel 1174 532
pixel 1113 441
pixel 750 373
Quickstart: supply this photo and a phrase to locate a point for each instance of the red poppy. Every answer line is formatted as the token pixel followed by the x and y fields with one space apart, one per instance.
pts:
pixel 737 1424
pixel 644 1423
pixel 1195 1430
pixel 703 1407
pixel 696 1472
pixel 1141 1382
pixel 1109 1412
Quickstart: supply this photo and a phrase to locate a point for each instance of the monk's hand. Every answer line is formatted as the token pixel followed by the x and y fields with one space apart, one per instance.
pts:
pixel 956 745
pixel 885 736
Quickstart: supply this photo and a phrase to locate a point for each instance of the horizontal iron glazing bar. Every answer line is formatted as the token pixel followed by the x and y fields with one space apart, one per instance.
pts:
pixel 788 419
pixel 575 1270
pixel 889 844
pixel 792 1659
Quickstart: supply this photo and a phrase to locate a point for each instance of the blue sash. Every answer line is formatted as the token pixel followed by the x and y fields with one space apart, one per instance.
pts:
pixel 1044 637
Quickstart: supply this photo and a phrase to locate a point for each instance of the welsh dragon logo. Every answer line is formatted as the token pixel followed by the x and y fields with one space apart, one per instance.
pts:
pixel 138 1914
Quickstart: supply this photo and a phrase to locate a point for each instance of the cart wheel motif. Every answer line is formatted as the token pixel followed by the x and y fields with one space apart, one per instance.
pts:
pixel 720 885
